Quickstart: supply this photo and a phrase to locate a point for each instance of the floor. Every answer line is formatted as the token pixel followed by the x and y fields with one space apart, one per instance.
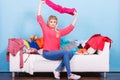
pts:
pixel 49 76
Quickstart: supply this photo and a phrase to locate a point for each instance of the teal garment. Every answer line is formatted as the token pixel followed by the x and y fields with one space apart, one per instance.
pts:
pixel 64 42
pixel 69 46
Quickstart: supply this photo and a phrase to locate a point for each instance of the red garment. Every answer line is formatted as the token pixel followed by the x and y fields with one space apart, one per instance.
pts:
pixel 60 8
pixel 50 40
pixel 97 42
pixel 15 45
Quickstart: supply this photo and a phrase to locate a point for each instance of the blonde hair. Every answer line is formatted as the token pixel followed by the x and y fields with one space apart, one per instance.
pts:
pixel 52 17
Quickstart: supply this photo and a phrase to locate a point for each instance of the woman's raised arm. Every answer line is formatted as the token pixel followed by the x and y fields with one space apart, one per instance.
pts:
pixel 40 7
pixel 75 18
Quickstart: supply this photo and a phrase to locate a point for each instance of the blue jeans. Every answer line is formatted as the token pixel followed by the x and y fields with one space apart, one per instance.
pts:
pixel 63 55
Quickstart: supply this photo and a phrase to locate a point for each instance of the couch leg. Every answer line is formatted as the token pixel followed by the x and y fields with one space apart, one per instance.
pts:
pixel 13 74
pixel 105 74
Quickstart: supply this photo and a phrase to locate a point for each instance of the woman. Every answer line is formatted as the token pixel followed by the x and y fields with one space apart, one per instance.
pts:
pixel 51 37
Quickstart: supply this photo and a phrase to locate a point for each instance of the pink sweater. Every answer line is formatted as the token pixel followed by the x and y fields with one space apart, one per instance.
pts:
pixel 51 42
pixel 15 45
pixel 60 8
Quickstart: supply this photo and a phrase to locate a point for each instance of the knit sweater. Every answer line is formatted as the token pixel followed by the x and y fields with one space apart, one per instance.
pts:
pixel 51 41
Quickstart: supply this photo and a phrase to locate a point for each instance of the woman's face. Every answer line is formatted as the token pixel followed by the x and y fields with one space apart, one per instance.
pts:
pixel 52 23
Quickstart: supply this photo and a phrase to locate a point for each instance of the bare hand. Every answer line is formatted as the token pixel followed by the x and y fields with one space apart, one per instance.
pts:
pixel 75 13
pixel 42 1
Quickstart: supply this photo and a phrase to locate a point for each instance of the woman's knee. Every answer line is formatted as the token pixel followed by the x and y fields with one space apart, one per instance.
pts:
pixel 69 53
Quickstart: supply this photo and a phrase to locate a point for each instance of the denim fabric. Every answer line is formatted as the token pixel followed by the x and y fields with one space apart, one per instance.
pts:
pixel 63 55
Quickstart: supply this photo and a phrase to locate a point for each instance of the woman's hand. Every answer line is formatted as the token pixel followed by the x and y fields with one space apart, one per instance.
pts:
pixel 75 13
pixel 42 1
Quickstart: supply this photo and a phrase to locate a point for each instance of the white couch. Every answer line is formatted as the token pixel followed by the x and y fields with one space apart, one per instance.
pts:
pixel 79 63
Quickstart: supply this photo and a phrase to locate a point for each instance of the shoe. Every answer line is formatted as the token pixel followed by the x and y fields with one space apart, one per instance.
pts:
pixel 74 77
pixel 56 74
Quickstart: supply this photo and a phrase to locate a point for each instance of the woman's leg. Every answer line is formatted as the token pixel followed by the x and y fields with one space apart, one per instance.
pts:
pixel 65 56
pixel 68 55
pixel 60 54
